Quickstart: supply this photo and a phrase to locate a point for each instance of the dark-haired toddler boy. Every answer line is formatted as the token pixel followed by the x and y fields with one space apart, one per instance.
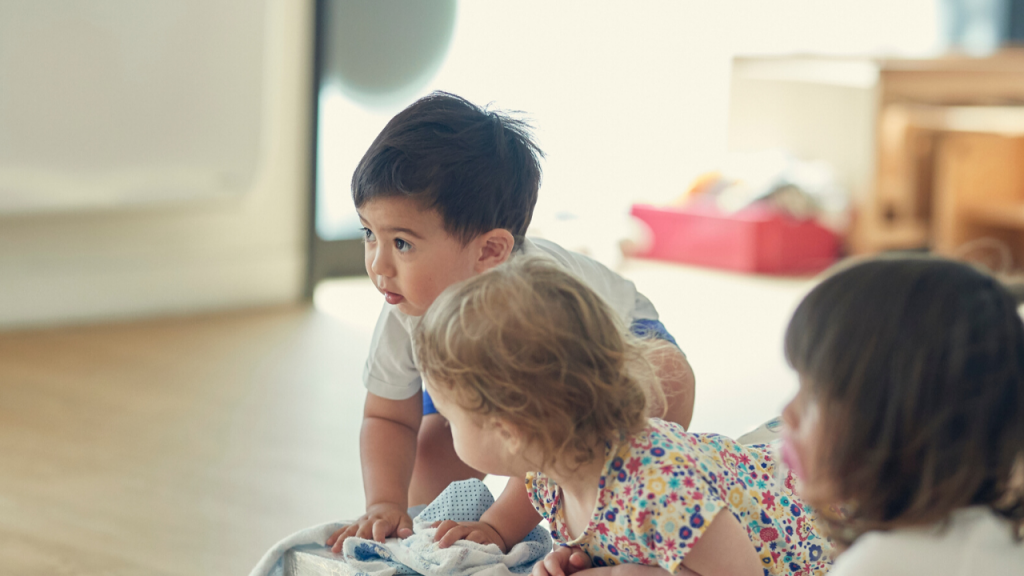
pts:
pixel 446 191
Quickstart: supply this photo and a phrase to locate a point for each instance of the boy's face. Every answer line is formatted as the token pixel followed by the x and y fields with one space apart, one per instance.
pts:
pixel 410 257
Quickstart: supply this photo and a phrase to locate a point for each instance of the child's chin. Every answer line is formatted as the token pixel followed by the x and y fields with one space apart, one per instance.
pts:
pixel 408 309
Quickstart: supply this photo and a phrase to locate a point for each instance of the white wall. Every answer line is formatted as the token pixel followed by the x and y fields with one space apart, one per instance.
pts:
pixel 81 267
pixel 630 101
pixel 813 117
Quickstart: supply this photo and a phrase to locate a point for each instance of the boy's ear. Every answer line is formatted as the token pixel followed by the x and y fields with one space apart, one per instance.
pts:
pixel 495 247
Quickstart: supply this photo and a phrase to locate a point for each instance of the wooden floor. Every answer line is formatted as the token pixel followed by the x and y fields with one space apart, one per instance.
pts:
pixel 190 446
pixel 183 446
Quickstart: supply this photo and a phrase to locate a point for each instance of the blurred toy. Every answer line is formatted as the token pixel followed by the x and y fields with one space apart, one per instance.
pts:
pixel 802 189
pixel 764 212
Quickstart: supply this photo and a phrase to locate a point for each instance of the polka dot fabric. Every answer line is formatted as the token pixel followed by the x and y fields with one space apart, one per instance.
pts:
pixel 466 501
pixel 661 489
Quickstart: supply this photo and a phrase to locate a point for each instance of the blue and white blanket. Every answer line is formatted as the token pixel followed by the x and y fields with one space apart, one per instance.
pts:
pixel 463 501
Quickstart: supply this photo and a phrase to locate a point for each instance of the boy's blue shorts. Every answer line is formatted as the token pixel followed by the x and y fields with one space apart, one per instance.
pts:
pixel 642 328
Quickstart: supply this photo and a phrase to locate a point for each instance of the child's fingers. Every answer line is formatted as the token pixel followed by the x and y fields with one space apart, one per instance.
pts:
pixel 443 527
pixel 365 530
pixel 404 526
pixel 553 565
pixel 382 529
pixel 338 533
pixel 539 570
pixel 454 535
pixel 346 533
pixel 579 560
pixel 480 538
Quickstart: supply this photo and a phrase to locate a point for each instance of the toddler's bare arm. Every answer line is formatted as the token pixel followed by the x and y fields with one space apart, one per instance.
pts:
pixel 724 550
pixel 570 561
pixel 505 523
pixel 387 447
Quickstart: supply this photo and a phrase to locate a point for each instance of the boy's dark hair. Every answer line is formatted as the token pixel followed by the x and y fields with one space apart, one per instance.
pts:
pixel 479 169
pixel 918 365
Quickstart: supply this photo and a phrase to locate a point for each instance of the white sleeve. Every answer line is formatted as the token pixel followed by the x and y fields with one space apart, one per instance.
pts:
pixel 390 370
pixel 644 309
pixel 619 293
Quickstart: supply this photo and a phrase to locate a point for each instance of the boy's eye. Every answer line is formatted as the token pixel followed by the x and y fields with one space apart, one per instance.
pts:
pixel 402 245
pixel 367 235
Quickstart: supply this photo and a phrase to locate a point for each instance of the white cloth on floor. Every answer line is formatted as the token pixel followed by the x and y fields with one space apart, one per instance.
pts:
pixel 463 501
pixel 420 553
pixel 768 433
pixel 272 563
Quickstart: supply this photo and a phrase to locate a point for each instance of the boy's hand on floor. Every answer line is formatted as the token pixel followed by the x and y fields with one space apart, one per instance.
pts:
pixel 562 562
pixel 380 521
pixel 449 532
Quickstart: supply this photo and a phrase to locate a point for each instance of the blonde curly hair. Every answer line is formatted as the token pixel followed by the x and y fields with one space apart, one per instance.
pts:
pixel 531 345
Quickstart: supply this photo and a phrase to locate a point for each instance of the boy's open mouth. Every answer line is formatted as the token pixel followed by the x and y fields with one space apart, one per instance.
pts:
pixel 393 298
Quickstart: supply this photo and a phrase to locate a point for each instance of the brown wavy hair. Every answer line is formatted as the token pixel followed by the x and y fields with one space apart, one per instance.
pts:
pixel 531 345
pixel 918 365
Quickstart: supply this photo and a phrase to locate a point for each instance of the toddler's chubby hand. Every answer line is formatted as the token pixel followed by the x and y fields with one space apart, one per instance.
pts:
pixel 564 561
pixel 380 521
pixel 449 532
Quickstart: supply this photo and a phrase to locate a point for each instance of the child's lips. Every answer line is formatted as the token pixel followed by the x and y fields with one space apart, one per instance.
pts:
pixel 393 298
pixel 791 458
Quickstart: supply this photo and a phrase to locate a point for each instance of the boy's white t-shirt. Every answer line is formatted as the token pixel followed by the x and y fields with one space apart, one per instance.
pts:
pixel 391 366
pixel 975 542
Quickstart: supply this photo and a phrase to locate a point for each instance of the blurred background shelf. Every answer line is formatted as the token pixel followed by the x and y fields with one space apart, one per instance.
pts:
pixel 1008 216
pixel 930 149
pixel 979 193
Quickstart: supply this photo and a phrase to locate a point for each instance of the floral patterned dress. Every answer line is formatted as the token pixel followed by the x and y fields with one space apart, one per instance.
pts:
pixel 660 490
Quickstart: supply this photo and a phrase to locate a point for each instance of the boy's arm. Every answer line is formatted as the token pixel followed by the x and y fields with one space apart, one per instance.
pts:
pixel 387 449
pixel 676 379
pixel 505 523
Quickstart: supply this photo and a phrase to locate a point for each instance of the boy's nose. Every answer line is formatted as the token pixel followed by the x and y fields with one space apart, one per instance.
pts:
pixel 381 264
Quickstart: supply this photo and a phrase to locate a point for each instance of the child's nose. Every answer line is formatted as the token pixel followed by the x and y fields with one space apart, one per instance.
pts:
pixel 381 264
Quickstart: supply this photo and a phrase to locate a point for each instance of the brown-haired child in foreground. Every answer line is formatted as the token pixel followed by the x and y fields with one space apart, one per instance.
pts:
pixel 536 379
pixel 445 192
pixel 910 416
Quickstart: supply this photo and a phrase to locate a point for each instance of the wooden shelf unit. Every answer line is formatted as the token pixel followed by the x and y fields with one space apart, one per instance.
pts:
pixel 930 113
pixel 979 192
pixel 888 127
pixel 1009 216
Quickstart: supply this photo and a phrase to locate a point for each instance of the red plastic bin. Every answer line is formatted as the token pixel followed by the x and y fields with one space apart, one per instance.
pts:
pixel 758 238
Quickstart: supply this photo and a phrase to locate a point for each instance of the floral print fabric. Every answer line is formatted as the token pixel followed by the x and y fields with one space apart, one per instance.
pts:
pixel 661 489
